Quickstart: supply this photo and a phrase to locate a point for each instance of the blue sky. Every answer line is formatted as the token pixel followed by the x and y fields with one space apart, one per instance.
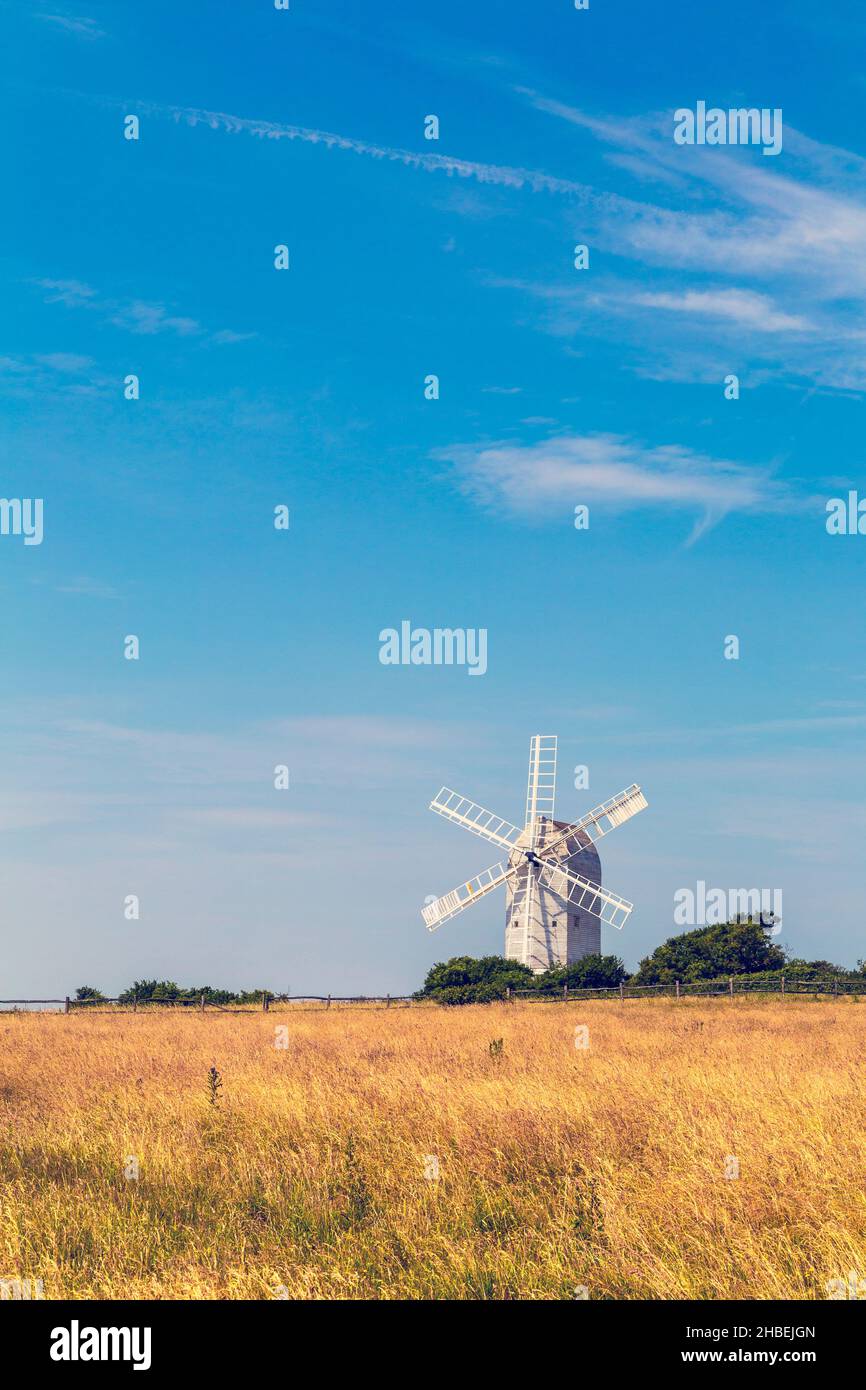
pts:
pixel 558 387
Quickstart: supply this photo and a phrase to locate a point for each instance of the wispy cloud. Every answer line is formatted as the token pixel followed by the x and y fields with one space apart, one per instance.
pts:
pixel 499 175
pixel 73 293
pixel 74 24
pixel 136 316
pixel 792 242
pixel 745 308
pixel 204 781
pixel 615 472
pixel 87 588
pixel 67 362
pixel 773 224
pixel 26 376
pixel 140 317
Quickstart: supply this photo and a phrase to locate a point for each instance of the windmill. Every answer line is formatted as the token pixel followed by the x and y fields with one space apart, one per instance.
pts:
pixel 555 903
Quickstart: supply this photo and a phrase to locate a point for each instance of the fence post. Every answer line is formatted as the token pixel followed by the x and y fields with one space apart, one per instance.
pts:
pixel 135 1003
pixel 328 1005
pixel 621 991
pixel 565 993
pixel 265 1002
pixel 731 982
pixel 201 1003
pixel 387 1001
pixel 835 986
pixel 508 993
pixel 66 1005
pixel 783 983
pixel 678 989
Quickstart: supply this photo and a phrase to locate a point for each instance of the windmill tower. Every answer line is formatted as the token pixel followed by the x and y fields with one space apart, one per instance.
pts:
pixel 555 903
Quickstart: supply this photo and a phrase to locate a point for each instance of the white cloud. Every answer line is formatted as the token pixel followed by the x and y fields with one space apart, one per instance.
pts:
pixel 88 588
pixel 71 362
pixel 140 317
pixel 73 24
pixel 228 335
pixel 615 472
pixel 742 307
pixel 73 293
pixel 136 316
pixel 797 234
pixel 24 379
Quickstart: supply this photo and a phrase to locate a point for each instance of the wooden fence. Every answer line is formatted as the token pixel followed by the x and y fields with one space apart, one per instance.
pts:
pixel 784 986
pixel 735 984
pixel 202 1003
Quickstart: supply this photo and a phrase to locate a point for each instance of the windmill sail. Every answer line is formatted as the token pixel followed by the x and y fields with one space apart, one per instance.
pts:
pixel 597 822
pixel 583 893
pixel 472 817
pixel 459 898
pixel 541 783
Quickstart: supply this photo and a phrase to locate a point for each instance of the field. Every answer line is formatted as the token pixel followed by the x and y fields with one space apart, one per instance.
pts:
pixel 309 1172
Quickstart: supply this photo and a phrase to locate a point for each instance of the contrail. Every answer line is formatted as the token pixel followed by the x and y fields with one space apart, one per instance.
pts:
pixel 503 176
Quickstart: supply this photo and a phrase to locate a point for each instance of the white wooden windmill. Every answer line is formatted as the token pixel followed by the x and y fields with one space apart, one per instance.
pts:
pixel 555 902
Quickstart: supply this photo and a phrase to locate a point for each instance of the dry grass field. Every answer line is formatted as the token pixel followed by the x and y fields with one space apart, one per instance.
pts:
pixel 559 1167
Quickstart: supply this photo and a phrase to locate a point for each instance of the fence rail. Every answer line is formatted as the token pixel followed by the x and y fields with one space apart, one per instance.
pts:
pixel 682 989
pixel 735 985
pixel 202 1003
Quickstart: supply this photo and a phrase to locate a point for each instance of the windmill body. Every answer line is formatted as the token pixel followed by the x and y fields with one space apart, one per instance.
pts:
pixel 560 932
pixel 555 902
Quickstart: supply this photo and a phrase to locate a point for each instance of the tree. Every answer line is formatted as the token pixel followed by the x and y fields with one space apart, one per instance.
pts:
pixel 167 992
pixel 152 989
pixel 85 992
pixel 464 980
pixel 730 948
pixel 590 972
pixel 817 969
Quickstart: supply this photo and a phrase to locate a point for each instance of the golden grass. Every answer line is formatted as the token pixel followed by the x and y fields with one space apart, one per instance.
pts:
pixel 558 1167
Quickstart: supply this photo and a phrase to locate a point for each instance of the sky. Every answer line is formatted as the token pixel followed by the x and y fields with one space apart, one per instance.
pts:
pixel 305 388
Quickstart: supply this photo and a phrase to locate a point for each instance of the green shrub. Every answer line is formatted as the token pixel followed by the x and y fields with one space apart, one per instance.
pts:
pixel 463 980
